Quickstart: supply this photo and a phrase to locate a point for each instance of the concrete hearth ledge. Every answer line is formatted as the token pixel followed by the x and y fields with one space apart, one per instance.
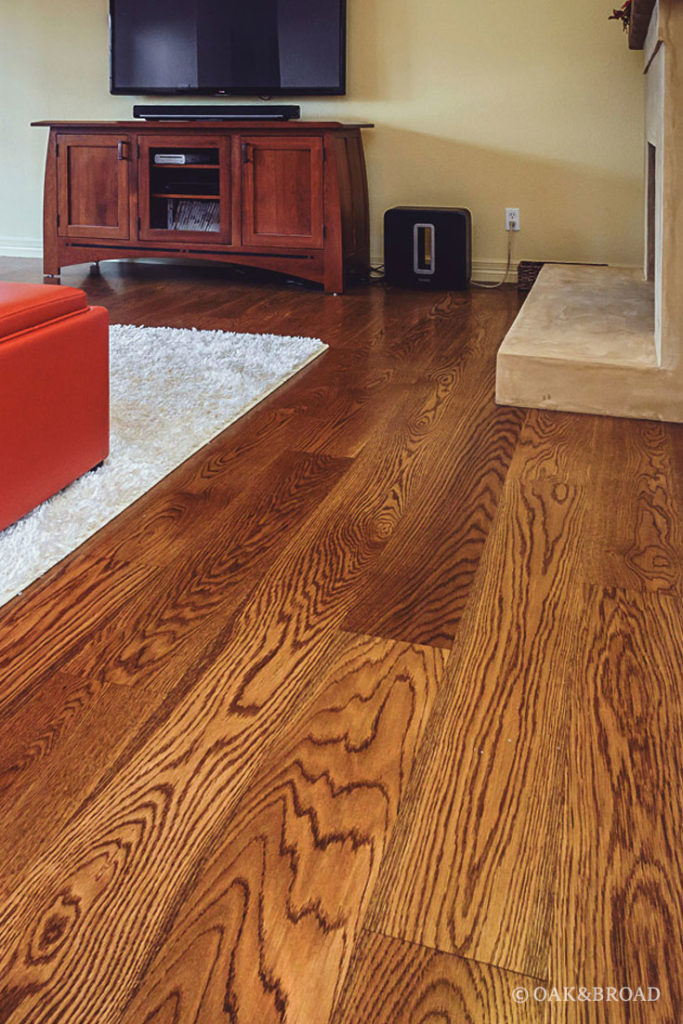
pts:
pixel 584 341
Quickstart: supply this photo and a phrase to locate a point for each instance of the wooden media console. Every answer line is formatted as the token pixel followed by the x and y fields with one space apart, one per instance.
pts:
pixel 289 196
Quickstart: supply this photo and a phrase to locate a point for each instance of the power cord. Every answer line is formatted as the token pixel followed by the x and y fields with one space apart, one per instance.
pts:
pixel 497 284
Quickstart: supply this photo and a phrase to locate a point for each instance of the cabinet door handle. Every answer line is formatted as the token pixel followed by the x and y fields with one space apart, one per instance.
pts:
pixel 123 155
pixel 245 153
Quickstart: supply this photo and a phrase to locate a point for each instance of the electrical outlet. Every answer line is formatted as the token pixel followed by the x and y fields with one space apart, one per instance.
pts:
pixel 512 218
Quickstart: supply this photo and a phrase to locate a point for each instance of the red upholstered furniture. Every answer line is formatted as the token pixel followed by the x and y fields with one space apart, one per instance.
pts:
pixel 54 392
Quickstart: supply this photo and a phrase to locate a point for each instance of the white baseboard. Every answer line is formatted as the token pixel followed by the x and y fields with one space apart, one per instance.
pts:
pixel 493 271
pixel 28 247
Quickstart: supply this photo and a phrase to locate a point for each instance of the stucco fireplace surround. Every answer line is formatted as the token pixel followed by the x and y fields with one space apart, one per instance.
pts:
pixel 602 339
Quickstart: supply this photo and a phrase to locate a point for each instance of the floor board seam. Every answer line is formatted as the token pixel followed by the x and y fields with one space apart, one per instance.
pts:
pixel 451 953
pixel 397 640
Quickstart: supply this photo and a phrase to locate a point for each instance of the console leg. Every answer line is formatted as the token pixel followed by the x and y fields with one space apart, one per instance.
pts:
pixel 334 281
pixel 51 267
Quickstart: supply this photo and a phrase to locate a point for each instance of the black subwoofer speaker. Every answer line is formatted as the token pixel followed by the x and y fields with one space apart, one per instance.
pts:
pixel 428 247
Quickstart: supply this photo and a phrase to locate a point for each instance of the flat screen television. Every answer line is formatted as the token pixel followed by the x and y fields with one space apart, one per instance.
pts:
pixel 228 47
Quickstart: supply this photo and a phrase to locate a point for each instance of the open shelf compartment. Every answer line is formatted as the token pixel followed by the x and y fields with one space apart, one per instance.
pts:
pixel 184 189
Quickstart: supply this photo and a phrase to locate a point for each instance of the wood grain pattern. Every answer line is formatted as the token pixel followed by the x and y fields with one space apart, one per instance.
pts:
pixel 228 849
pixel 168 794
pixel 32 726
pixel 471 864
pixel 393 982
pixel 346 418
pixel 267 930
pixel 418 592
pixel 282 191
pixel 159 632
pixel 57 743
pixel 556 446
pixel 79 600
pixel 92 186
pixel 65 605
pixel 635 531
pixel 160 525
pixel 619 892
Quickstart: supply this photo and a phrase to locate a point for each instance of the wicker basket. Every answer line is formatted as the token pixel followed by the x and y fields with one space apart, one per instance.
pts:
pixel 527 272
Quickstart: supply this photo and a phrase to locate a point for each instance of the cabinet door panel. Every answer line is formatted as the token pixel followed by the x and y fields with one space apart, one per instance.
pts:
pixel 282 192
pixel 93 186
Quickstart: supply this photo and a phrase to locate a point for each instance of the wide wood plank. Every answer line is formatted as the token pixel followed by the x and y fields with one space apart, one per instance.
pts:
pixel 556 446
pixel 419 587
pixel 266 930
pixel 634 524
pixel 59 613
pixel 57 743
pixel 158 634
pixel 475 850
pixel 37 721
pixel 417 592
pixel 619 889
pixel 393 982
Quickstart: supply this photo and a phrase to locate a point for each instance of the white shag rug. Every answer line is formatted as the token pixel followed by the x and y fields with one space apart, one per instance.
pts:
pixel 172 391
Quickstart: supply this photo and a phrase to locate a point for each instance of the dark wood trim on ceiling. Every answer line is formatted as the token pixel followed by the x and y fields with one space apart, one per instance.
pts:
pixel 641 13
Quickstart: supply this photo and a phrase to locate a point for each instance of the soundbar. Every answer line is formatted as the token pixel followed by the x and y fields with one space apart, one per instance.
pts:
pixel 217 112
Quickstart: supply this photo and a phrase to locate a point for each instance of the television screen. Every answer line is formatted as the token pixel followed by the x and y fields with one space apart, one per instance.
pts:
pixel 240 47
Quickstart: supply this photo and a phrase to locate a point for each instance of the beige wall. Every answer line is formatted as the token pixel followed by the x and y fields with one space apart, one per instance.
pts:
pixel 529 103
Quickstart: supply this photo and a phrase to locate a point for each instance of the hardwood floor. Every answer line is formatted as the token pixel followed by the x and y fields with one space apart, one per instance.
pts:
pixel 370 713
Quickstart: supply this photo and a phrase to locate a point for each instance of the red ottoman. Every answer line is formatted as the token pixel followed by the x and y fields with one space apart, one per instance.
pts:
pixel 54 392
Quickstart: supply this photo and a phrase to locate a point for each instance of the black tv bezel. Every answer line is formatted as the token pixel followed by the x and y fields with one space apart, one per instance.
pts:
pixel 219 90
